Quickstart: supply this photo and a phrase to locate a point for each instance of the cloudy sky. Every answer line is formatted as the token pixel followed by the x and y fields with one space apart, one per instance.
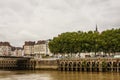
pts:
pixel 29 20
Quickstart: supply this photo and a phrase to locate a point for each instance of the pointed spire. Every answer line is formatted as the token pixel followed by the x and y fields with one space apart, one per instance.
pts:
pixel 96 28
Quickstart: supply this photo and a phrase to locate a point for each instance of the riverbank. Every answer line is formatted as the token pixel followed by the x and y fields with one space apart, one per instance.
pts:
pixel 81 64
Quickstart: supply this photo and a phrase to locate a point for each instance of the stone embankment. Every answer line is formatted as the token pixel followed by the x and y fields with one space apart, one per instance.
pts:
pixel 17 63
pixel 81 64
pixel 90 64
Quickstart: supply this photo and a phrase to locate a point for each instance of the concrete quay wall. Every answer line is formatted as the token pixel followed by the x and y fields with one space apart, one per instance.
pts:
pixel 81 64
pixel 90 64
pixel 46 65
pixel 17 64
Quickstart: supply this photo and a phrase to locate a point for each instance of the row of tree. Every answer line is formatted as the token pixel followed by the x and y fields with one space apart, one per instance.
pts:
pixel 92 41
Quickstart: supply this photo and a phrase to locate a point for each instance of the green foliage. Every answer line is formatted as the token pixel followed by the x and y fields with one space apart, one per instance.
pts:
pixel 77 42
pixel 104 64
pixel 84 64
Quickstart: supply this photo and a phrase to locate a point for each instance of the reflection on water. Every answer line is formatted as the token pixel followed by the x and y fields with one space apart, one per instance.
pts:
pixel 57 75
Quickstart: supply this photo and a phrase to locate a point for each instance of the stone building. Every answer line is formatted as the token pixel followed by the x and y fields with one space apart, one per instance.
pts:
pixel 29 48
pixel 17 51
pixel 41 48
pixel 36 49
pixel 5 49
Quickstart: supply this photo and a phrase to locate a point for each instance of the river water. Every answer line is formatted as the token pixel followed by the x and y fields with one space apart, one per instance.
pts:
pixel 58 75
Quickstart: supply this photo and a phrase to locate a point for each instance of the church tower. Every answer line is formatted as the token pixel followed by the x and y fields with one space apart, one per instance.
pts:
pixel 96 30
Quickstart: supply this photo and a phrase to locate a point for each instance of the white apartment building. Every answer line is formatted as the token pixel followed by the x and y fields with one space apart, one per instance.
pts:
pixel 41 48
pixel 17 51
pixel 5 49
pixel 36 49
pixel 29 48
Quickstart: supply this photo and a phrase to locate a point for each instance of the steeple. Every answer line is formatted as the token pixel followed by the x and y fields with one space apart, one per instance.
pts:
pixel 96 28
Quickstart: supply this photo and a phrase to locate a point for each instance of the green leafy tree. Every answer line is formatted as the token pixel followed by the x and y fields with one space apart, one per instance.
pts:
pixel 92 41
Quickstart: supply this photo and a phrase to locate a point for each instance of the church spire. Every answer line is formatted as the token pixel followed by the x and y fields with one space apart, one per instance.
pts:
pixel 96 28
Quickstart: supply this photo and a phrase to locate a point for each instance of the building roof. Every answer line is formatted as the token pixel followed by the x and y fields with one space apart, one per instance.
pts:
pixel 5 44
pixel 16 48
pixel 41 42
pixel 29 43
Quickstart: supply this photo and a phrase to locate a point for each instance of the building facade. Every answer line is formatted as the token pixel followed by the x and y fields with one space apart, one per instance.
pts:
pixel 29 48
pixel 41 48
pixel 38 49
pixel 5 49
pixel 17 51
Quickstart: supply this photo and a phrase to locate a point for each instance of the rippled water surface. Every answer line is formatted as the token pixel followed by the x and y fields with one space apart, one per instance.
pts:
pixel 57 75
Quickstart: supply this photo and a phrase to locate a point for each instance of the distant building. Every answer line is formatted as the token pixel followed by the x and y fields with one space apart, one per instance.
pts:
pixel 5 49
pixel 29 48
pixel 17 51
pixel 41 48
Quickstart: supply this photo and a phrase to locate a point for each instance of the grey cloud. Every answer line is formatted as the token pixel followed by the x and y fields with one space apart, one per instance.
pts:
pixel 42 19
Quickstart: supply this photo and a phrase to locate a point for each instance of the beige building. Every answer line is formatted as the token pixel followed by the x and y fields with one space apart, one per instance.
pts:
pixel 17 51
pixel 29 48
pixel 41 48
pixel 36 49
pixel 5 49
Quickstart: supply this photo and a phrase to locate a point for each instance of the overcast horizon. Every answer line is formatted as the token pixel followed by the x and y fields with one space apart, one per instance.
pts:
pixel 33 20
